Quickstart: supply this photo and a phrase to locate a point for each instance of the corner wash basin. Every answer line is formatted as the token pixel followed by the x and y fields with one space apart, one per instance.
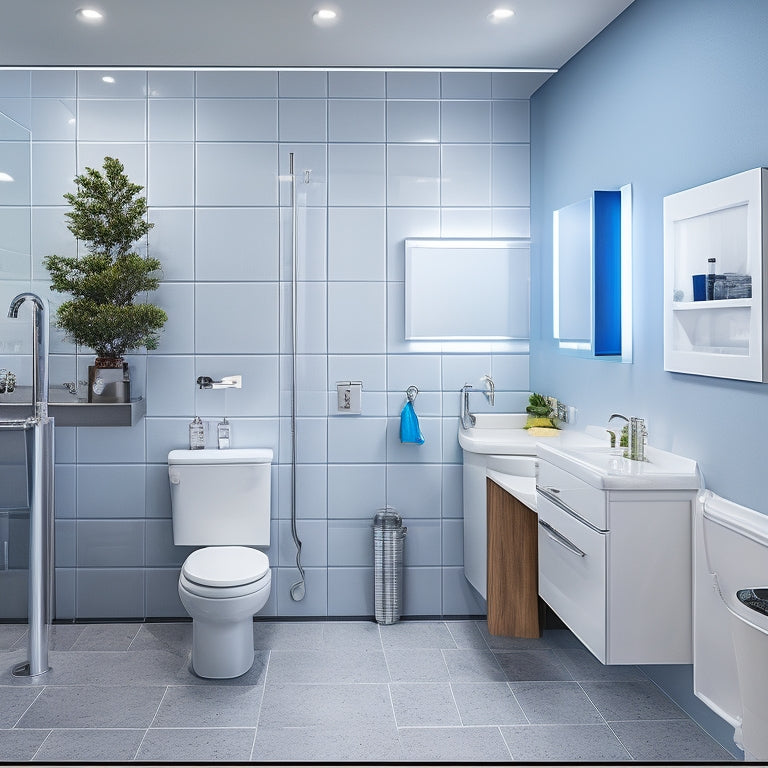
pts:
pixel 500 433
pixel 604 467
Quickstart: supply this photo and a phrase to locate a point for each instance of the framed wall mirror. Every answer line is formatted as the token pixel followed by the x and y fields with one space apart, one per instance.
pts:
pixel 592 276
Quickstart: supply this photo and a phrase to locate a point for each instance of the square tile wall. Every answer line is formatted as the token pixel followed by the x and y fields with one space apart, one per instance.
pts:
pixel 379 157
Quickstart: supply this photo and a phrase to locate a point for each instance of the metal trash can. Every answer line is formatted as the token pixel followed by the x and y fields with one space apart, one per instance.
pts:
pixel 388 536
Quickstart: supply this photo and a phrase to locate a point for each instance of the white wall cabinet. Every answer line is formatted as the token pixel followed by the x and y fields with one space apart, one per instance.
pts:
pixel 615 566
pixel 724 220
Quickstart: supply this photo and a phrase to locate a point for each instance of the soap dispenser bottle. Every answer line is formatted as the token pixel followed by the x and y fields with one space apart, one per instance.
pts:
pixel 196 434
pixel 223 433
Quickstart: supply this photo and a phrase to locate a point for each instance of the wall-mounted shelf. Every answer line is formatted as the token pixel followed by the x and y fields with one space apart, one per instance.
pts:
pixel 68 410
pixel 724 220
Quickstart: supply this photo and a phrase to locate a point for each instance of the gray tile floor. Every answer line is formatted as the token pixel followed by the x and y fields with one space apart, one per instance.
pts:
pixel 338 692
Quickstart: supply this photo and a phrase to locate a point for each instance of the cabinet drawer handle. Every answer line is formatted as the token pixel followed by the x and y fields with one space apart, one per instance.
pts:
pixel 558 538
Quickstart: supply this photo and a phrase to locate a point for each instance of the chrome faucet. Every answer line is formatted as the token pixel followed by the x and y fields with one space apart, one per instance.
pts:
pixel 467 419
pixel 637 434
pixel 490 389
pixel 39 349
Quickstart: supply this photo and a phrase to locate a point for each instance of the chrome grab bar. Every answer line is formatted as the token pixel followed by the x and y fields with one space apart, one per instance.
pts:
pixel 558 538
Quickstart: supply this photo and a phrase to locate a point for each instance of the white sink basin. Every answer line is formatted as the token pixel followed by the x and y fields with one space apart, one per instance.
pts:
pixel 605 467
pixel 500 433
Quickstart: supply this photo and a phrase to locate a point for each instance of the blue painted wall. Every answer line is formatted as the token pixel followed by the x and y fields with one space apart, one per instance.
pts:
pixel 670 96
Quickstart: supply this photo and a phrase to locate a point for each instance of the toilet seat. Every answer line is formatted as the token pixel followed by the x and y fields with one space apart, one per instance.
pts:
pixel 223 593
pixel 222 567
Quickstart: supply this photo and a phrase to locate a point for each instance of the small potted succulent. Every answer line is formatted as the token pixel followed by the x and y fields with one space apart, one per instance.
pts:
pixel 108 216
pixel 540 413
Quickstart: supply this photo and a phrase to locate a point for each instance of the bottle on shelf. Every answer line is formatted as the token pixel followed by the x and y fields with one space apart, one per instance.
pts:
pixel 711 278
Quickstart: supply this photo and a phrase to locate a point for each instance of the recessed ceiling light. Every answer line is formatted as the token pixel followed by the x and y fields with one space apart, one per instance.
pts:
pixel 324 17
pixel 500 14
pixel 107 79
pixel 5 176
pixel 89 14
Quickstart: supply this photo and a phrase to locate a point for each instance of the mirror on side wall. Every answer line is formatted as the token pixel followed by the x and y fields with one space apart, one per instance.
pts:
pixel 592 276
pixel 467 289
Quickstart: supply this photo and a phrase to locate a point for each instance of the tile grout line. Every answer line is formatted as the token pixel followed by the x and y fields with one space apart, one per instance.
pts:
pixel 258 718
pixel 138 749
pixel 31 759
pixel 39 693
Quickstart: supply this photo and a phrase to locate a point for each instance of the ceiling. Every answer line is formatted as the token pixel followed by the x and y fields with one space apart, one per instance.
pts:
pixel 390 34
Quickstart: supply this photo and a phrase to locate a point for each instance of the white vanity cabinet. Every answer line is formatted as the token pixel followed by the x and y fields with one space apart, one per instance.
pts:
pixel 615 565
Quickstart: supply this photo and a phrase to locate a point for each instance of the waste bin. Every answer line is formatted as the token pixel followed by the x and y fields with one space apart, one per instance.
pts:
pixel 388 537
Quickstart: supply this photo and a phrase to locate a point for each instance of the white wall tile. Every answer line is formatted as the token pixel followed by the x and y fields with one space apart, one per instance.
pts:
pixel 466 222
pixel 465 121
pixel 413 121
pixel 357 85
pixel 349 543
pixel 357 244
pixel 100 445
pixel 370 369
pixel 350 592
pixel 311 336
pixel 424 540
pixel 452 499
pixel 415 490
pixel 58 84
pixel 511 175
pixel 236 120
pixel 311 387
pixel 165 435
pixel 236 174
pixel 236 244
pixel 356 439
pixel 466 174
pixel 510 371
pixel 110 491
pixel 171 174
pixel 228 84
pixel 167 84
pixel 356 490
pixel 311 440
pixel 15 160
pixel 413 85
pixel 356 174
pixel 111 120
pixel 413 175
pixel 171 120
pixel 511 222
pixel 236 318
pixel 178 333
pixel 126 85
pixel 311 491
pixel 403 223
pixel 311 241
pixel 54 119
pixel 303 84
pixel 302 120
pixel 356 318
pixel 172 240
pixel 459 370
pixel 15 83
pixel 356 120
pixel 423 597
pixel 315 602
pixel 511 121
pixel 53 171
pixel 465 85
pixel 170 385
pixel 49 235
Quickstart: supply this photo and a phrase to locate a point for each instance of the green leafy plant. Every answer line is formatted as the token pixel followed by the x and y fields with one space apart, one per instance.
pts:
pixel 109 216
pixel 539 412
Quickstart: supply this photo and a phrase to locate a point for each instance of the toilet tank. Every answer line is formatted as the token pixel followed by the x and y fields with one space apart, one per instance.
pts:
pixel 221 497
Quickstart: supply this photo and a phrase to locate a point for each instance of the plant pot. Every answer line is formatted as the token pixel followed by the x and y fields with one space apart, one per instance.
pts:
pixel 109 381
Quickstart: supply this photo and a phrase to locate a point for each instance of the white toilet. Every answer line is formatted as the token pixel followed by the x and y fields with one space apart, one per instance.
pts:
pixel 730 635
pixel 220 500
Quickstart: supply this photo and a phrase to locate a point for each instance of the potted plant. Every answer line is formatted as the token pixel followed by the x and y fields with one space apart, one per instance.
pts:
pixel 540 414
pixel 108 216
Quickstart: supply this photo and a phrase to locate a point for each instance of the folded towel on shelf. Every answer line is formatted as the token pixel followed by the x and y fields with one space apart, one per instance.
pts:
pixel 410 432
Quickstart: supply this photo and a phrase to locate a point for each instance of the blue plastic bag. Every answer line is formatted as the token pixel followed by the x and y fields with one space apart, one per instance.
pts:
pixel 410 432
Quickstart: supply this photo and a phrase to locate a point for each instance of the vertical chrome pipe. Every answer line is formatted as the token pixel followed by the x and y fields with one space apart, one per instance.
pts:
pixel 41 514
pixel 298 589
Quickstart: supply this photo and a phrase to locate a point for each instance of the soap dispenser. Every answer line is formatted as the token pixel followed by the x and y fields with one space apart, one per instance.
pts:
pixel 196 434
pixel 223 432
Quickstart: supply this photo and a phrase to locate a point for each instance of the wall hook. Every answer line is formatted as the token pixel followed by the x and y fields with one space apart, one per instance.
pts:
pixel 411 393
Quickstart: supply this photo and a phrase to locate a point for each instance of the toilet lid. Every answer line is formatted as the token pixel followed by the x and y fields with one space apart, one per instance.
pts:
pixel 225 566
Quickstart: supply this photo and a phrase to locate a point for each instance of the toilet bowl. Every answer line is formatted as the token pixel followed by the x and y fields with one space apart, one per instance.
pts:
pixel 220 501
pixel 730 636
pixel 222 588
